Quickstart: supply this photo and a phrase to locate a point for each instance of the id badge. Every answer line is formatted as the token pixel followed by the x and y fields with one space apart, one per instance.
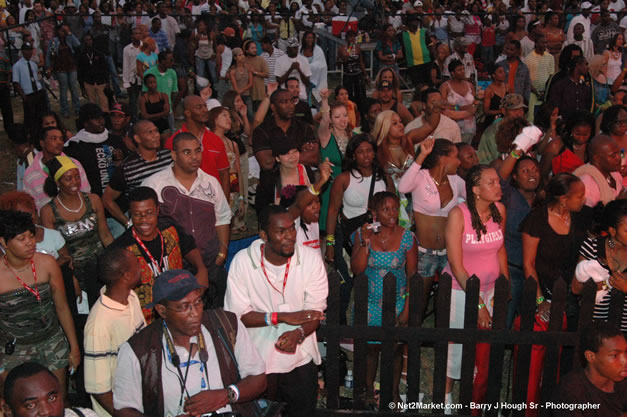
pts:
pixel 284 308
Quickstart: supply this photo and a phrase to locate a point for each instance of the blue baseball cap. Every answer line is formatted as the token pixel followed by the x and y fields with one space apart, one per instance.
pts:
pixel 173 285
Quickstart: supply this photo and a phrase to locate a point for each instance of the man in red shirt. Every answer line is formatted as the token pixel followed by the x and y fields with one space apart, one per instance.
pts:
pixel 214 159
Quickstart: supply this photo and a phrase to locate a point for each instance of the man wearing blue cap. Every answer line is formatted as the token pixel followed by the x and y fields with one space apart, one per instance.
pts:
pixel 189 361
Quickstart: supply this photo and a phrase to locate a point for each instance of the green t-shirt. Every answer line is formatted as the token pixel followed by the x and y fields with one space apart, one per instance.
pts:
pixel 166 83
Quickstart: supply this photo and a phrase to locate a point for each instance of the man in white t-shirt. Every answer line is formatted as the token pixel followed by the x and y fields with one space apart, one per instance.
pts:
pixel 114 318
pixel 279 291
pixel 292 64
pixel 433 122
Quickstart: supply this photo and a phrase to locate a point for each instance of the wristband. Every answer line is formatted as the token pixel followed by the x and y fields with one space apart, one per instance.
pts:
pixel 539 300
pixel 221 255
pixel 405 295
pixel 312 190
pixel 233 393
pixel 605 286
pixel 267 319
pixel 302 335
pixel 456 108
pixel 481 306
pixel 514 155
pixel 275 318
pixel 129 224
pixel 330 238
pixel 330 243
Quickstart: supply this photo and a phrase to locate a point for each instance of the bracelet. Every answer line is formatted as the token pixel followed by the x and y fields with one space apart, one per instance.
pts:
pixel 456 108
pixel 539 300
pixel 221 255
pixel 267 319
pixel 312 190
pixel 302 335
pixel 605 285
pixel 330 238
pixel 404 296
pixel 275 318
pixel 481 306
pixel 129 224
pixel 514 155
pixel 233 392
pixel 330 243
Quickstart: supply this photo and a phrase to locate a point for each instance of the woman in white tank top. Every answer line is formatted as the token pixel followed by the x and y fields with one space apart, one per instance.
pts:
pixel 350 192
pixel 614 56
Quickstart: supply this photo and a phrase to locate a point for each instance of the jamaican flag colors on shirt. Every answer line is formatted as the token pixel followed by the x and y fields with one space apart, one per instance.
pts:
pixel 416 50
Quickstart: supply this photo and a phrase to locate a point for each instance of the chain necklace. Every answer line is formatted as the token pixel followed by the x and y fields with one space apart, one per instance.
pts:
pixel 69 209
pixel 444 182
pixel 565 218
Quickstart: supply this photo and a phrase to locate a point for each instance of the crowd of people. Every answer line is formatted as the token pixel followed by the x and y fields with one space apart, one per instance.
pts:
pixel 117 282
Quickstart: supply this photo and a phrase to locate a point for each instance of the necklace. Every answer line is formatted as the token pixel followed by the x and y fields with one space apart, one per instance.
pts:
pixel 565 218
pixel 69 209
pixel 395 147
pixel 444 182
pixel 90 57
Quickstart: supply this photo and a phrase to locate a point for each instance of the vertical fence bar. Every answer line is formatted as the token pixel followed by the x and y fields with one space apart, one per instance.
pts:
pixel 522 353
pixel 416 309
pixel 470 347
pixel 443 306
pixel 332 366
pixel 360 352
pixel 389 346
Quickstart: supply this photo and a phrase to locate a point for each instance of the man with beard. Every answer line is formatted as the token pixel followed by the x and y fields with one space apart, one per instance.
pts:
pixel 601 175
pixel 135 168
pixel 279 291
pixel 31 387
pixel 195 200
pixel 114 318
pixel 433 122
pixel 158 244
pixel 98 152
pixel 601 381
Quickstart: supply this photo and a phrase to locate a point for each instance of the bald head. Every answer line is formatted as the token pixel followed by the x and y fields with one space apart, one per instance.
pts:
pixel 195 110
pixel 604 154
pixel 141 125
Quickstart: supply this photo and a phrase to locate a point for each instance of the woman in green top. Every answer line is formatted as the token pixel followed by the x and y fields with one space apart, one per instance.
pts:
pixel 334 133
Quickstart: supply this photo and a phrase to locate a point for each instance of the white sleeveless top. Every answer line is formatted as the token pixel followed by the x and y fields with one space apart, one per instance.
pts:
pixel 614 68
pixel 355 200
pixel 227 59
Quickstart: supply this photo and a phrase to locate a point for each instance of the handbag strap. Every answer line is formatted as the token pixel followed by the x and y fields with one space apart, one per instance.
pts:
pixel 371 192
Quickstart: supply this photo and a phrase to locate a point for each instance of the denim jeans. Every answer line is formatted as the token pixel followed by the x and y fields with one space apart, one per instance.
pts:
pixel 68 79
pixel 206 68
pixel 517 282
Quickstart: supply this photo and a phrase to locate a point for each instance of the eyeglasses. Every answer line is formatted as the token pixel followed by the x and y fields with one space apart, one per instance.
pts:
pixel 187 307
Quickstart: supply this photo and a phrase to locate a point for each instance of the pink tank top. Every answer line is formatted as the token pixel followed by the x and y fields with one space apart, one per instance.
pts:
pixel 479 256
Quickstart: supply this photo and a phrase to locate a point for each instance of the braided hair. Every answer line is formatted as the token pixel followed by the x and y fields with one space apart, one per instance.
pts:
pixel 472 180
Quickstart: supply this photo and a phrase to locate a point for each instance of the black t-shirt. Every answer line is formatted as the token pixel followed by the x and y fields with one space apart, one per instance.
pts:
pixel 302 111
pixel 557 254
pixel 98 159
pixel 575 389
pixel 268 132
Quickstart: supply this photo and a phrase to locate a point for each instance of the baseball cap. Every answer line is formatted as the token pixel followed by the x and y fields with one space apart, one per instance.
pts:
pixel 27 45
pixel 121 108
pixel 228 31
pixel 173 285
pixel 384 84
pixel 293 42
pixel 586 5
pixel 418 3
pixel 513 101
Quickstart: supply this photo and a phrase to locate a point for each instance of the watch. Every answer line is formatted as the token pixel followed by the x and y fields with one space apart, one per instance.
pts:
pixel 233 395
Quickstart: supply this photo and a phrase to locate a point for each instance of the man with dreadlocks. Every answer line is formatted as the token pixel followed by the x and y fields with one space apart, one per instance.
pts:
pixel 474 245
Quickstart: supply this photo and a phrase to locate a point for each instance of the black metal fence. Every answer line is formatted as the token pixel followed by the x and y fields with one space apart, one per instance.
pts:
pixel 499 338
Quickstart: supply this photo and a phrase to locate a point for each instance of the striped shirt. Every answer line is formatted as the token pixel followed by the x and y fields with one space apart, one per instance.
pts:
pixel 135 169
pixel 594 249
pixel 108 326
pixel 541 67
pixel 416 50
pixel 271 61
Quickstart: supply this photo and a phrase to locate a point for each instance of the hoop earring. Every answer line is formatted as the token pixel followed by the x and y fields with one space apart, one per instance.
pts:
pixel 611 243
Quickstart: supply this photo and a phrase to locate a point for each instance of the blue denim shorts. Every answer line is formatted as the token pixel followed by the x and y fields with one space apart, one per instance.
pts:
pixel 431 261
